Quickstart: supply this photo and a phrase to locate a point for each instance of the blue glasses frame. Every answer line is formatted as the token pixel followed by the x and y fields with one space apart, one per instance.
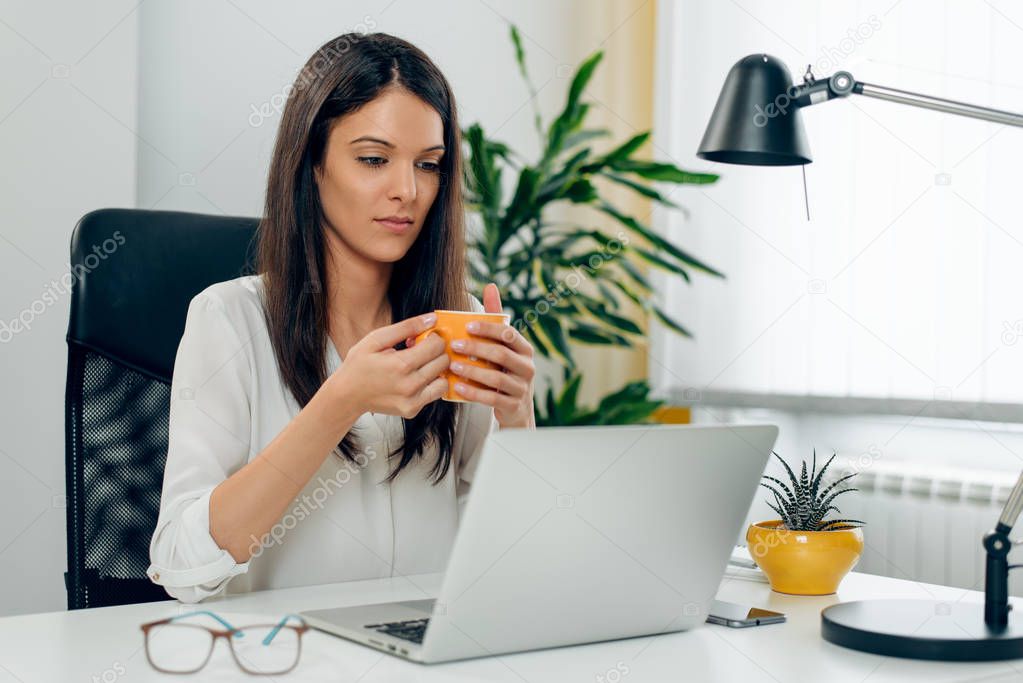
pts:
pixel 229 633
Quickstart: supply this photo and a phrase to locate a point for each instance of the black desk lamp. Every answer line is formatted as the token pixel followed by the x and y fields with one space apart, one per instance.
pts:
pixel 756 121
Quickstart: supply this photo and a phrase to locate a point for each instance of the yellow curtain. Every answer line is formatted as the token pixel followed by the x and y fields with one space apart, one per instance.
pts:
pixel 621 94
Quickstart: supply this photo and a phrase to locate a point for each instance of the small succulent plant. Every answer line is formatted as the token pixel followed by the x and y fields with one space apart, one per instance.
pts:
pixel 803 505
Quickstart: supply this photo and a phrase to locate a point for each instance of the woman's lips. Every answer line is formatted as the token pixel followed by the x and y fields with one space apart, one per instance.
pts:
pixel 397 227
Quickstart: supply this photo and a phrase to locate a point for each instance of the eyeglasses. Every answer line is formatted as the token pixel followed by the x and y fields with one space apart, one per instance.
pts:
pixel 184 648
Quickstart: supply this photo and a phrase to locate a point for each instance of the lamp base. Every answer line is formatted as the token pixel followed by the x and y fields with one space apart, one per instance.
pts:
pixel 922 629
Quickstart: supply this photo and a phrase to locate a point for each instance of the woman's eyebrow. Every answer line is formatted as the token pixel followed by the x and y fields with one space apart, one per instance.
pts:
pixel 390 145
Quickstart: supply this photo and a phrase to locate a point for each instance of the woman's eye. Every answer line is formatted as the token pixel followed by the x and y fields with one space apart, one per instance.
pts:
pixel 377 162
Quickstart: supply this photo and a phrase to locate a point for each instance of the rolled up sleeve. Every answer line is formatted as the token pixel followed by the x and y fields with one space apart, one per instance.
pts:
pixel 208 440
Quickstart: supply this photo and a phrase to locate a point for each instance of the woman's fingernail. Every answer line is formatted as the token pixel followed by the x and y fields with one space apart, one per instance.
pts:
pixel 460 388
pixel 429 319
pixel 458 345
pixel 457 367
pixel 473 327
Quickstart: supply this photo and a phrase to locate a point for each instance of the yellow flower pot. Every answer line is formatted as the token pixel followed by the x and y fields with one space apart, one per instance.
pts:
pixel 804 562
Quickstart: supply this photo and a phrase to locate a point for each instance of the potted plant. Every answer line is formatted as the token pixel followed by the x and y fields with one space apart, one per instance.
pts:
pixel 803 553
pixel 567 281
pixel 629 405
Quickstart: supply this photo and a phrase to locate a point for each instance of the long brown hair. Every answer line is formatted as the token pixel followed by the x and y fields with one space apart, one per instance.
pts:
pixel 343 75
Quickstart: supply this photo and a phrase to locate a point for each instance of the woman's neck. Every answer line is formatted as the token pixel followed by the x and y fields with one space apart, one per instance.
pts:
pixel 357 300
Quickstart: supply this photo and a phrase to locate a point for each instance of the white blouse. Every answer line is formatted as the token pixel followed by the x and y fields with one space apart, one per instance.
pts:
pixel 228 402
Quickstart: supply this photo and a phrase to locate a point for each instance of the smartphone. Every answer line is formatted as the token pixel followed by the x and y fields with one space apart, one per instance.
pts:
pixel 741 616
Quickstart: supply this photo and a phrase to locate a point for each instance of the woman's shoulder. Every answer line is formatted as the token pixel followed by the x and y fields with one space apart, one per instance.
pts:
pixel 239 293
pixel 239 300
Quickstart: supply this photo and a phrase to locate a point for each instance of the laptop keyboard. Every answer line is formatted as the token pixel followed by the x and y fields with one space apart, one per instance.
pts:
pixel 411 630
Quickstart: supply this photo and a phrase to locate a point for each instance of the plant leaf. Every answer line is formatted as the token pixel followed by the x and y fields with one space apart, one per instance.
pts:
pixel 569 394
pixel 656 260
pixel 536 340
pixel 571 117
pixel 782 486
pixel 669 322
pixel 820 475
pixel 633 391
pixel 580 191
pixel 639 188
pixel 589 334
pixel 632 413
pixel 636 276
pixel 827 501
pixel 581 136
pixel 792 475
pixel 520 54
pixel 553 414
pixel 549 328
pixel 653 170
pixel 609 295
pixel 656 240
pixel 522 207
pixel 622 151
pixel 842 521
pixel 608 318
pixel 833 484
pixel 625 150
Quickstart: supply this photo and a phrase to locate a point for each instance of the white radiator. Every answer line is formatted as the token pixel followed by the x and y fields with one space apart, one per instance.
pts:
pixel 926 523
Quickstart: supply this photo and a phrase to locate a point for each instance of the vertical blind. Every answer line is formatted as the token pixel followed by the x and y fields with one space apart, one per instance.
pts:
pixel 906 281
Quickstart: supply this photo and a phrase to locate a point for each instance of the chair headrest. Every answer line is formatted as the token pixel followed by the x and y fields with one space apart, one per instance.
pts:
pixel 135 272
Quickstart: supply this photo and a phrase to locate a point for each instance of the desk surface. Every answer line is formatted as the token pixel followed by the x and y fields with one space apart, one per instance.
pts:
pixel 105 644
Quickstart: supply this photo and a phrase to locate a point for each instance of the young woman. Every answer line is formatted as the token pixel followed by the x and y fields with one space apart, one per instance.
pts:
pixel 307 443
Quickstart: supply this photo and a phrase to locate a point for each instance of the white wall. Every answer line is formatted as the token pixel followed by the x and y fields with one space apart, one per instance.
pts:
pixel 157 115
pixel 204 67
pixel 67 112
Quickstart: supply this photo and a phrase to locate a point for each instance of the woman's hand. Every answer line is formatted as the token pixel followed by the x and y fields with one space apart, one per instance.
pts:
pixel 381 379
pixel 511 383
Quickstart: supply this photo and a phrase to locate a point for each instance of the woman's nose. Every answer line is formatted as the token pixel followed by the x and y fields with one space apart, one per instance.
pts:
pixel 403 183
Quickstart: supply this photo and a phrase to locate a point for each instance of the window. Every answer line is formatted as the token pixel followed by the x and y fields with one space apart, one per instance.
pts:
pixel 905 283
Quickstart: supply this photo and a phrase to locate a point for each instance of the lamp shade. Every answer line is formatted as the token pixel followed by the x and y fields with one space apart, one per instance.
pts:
pixel 755 120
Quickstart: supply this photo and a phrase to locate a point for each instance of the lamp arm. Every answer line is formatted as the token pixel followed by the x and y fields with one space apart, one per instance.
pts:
pixel 1013 507
pixel 842 84
pixel 996 573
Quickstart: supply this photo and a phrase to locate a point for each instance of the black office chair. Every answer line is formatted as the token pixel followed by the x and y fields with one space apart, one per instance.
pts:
pixel 135 273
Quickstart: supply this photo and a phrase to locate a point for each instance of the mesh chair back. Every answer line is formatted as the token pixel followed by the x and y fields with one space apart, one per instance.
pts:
pixel 135 273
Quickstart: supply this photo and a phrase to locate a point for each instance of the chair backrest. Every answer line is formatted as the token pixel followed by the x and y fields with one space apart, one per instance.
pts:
pixel 134 273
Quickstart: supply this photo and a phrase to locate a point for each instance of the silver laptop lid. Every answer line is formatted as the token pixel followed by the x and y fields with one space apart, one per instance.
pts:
pixel 582 534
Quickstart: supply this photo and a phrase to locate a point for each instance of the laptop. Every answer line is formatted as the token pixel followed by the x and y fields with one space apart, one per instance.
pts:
pixel 577 535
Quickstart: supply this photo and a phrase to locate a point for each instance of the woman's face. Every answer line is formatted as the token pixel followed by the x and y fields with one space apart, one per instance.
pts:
pixel 381 162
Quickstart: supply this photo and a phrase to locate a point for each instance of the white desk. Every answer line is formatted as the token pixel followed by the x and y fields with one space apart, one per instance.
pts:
pixel 106 644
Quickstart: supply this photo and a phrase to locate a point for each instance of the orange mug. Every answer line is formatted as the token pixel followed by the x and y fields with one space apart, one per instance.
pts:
pixel 450 326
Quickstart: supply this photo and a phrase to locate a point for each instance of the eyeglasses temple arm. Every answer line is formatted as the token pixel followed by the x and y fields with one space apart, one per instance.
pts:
pixel 223 622
pixel 280 624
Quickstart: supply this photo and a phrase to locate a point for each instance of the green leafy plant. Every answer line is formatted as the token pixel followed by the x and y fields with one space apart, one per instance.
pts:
pixel 802 504
pixel 533 258
pixel 628 405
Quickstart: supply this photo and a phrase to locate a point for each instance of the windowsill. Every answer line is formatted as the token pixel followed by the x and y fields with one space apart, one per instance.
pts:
pixel 847 405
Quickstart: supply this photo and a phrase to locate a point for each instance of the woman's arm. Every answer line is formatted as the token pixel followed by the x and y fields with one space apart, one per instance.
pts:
pixel 373 377
pixel 246 505
pixel 216 504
